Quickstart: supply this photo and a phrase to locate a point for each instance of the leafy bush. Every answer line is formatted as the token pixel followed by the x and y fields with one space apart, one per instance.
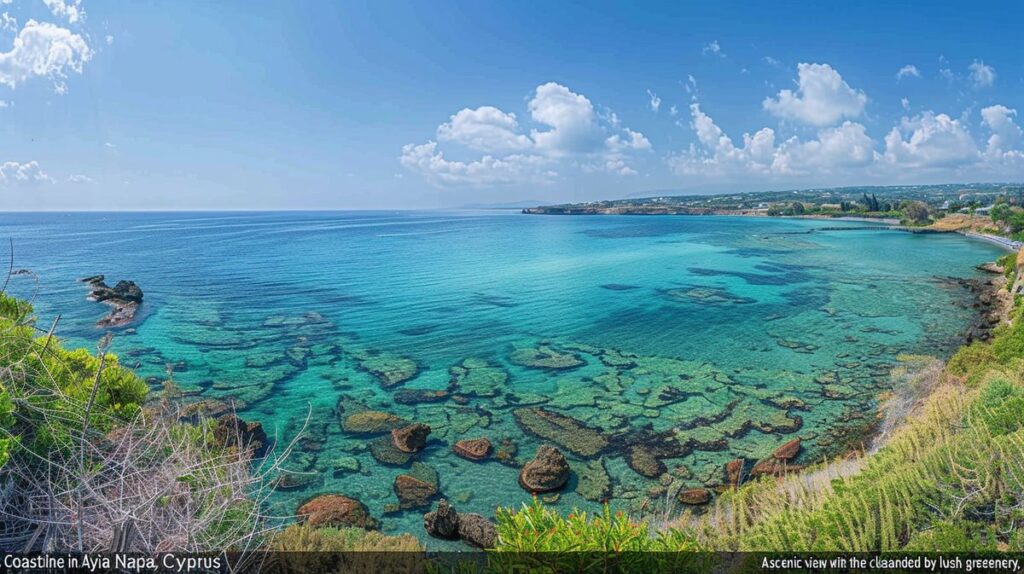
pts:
pixel 305 538
pixel 970 359
pixel 540 539
pixel 954 536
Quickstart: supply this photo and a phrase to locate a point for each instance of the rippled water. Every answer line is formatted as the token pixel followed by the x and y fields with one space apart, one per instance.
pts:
pixel 683 342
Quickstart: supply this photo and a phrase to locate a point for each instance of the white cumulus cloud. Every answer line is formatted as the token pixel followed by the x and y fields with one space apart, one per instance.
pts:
pixel 834 149
pixel 568 132
pixel 1006 134
pixel 44 50
pixel 822 97
pixel 71 10
pixel 488 170
pixel 932 140
pixel 486 129
pixel 12 172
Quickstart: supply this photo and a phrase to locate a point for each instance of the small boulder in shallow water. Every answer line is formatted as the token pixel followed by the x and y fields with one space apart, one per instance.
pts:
pixel 546 472
pixel 787 451
pixel 443 522
pixel 472 449
pixel 411 438
pixel 476 530
pixel 734 471
pixel 694 496
pixel 413 492
pixel 335 510
pixel 371 422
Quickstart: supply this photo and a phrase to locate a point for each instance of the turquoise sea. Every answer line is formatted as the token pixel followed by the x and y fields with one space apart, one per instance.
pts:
pixel 652 350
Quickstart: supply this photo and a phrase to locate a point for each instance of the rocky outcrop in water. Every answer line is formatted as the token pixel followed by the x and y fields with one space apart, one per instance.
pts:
pixel 476 530
pixel 443 522
pixel 335 510
pixel 125 297
pixel 472 449
pixel 562 430
pixel 780 461
pixel 471 528
pixel 234 432
pixel 411 438
pixel 413 492
pixel 546 472
pixel 694 496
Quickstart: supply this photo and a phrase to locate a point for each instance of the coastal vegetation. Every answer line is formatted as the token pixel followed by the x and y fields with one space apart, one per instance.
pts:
pixel 91 460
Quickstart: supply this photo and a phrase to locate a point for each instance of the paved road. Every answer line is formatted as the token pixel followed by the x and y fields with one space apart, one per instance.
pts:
pixel 1002 241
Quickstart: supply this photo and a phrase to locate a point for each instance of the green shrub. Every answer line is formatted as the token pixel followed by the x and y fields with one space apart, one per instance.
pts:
pixel 999 407
pixel 970 359
pixel 954 536
pixel 540 539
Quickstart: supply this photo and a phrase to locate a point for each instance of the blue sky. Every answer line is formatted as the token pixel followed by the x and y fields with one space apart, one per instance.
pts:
pixel 382 104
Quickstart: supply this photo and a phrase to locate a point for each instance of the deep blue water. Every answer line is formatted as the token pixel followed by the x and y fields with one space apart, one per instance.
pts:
pixel 726 335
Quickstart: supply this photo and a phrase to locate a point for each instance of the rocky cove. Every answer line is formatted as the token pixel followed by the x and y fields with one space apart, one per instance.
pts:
pixel 649 413
pixel 751 354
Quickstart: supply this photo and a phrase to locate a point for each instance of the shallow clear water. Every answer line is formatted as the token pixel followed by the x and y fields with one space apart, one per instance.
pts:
pixel 686 341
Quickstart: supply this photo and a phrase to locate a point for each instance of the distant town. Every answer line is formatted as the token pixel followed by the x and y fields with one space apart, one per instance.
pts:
pixel 990 208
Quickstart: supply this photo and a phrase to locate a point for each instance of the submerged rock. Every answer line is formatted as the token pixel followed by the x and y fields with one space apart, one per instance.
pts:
pixel 443 522
pixel 546 472
pixel 562 430
pixel 472 449
pixel 384 452
pixel 335 510
pixel 413 492
pixel 734 472
pixel 411 438
pixel 545 357
pixel 477 531
pixel 788 451
pixel 417 396
pixel 644 462
pixel 390 370
pixel 477 378
pixel 694 496
pixel 371 422
pixel 593 482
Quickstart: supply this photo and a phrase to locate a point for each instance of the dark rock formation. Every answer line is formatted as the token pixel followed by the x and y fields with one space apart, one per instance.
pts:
pixel 411 438
pixel 443 522
pixel 413 492
pixel 125 298
pixel 563 430
pixel 734 472
pixel 788 451
pixel 371 422
pixel 477 531
pixel 473 529
pixel 645 462
pixel 232 431
pixel 335 510
pixel 694 496
pixel 546 472
pixel 472 449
